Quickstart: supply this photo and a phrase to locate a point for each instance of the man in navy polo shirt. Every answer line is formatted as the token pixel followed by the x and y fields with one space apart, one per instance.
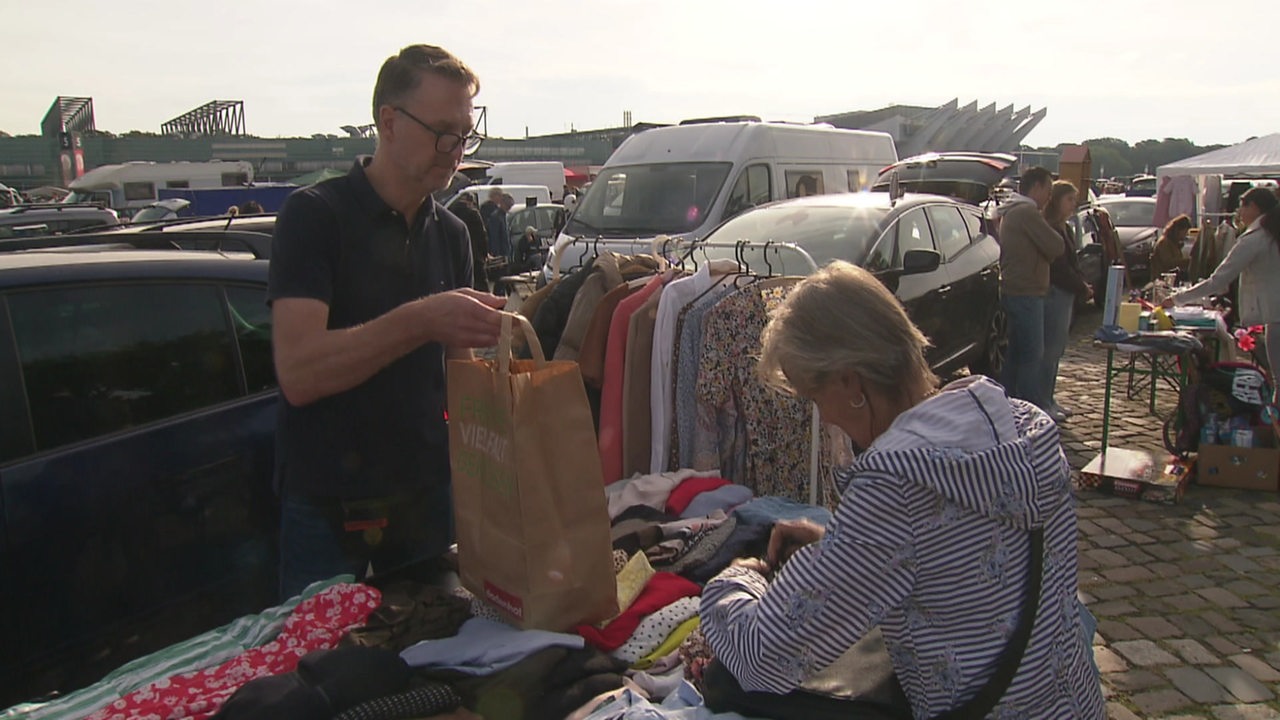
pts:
pixel 370 286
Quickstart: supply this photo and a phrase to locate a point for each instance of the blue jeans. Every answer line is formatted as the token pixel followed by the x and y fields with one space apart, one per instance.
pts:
pixel 316 545
pixel 1024 364
pixel 1058 308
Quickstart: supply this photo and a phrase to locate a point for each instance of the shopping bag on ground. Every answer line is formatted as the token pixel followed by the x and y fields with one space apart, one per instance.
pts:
pixel 532 525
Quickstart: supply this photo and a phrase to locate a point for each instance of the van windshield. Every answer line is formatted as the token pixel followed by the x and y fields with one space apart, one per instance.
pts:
pixel 647 200
pixel 88 196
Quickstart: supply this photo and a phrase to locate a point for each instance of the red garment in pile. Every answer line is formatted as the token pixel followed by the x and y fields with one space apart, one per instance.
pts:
pixel 317 623
pixel 686 491
pixel 661 590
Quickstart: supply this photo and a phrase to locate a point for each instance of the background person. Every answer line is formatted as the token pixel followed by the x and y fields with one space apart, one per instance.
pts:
pixel 1167 255
pixel 464 208
pixel 370 290
pixel 1027 246
pixel 1067 286
pixel 931 540
pixel 1255 261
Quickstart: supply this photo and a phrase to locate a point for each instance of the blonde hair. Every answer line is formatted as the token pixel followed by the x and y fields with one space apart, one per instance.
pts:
pixel 842 319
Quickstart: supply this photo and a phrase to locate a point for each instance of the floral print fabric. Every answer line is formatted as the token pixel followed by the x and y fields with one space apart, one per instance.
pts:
pixel 318 623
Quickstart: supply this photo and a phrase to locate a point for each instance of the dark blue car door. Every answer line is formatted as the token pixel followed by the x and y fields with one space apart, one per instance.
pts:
pixel 142 511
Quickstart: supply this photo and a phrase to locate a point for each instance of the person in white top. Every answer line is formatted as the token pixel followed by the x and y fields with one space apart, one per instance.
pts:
pixel 1255 260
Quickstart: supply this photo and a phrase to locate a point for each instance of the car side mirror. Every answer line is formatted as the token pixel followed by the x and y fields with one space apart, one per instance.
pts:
pixel 919 262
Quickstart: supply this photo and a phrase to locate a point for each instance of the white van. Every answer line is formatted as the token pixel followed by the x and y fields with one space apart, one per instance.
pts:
pixel 131 186
pixel 685 180
pixel 540 194
pixel 547 174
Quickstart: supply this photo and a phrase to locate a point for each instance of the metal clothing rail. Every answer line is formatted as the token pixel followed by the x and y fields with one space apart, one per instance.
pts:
pixel 661 244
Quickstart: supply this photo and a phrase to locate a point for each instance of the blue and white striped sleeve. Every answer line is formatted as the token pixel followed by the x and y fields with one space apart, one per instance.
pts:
pixel 773 637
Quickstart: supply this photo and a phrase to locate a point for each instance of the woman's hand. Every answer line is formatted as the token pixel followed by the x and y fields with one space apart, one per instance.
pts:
pixel 789 536
pixel 754 564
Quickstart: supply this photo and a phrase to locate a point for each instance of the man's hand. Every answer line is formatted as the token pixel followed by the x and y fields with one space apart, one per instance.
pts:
pixel 464 318
pixel 788 537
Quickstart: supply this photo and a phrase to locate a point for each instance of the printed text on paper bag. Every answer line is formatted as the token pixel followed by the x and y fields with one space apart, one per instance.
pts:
pixel 484 454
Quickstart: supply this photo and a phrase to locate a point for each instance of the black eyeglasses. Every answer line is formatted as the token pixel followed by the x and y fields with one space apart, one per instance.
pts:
pixel 447 142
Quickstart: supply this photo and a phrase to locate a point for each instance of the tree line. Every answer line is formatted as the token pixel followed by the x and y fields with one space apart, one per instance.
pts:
pixel 1113 157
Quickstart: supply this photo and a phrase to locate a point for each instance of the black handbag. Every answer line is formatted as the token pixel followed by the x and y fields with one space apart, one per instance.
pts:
pixel 862 685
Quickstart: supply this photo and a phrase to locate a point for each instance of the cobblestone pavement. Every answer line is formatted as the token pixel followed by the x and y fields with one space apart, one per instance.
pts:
pixel 1187 596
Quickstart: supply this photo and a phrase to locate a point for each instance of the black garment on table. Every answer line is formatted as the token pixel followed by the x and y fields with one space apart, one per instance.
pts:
pixel 479 238
pixel 326 682
pixel 639 540
pixel 553 314
pixel 338 242
pixel 410 613
pixel 421 702
pixel 644 512
pixel 547 685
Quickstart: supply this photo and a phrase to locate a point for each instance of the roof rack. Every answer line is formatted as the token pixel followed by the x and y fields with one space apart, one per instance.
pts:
pixel 724 119
pixel 55 206
pixel 259 244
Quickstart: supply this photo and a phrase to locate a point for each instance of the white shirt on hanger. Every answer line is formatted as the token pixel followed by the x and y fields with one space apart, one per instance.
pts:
pixel 676 295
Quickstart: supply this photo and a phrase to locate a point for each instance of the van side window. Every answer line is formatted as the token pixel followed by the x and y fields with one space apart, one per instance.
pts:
pixel 855 180
pixel 234 179
pixel 177 184
pixel 752 189
pixel 251 322
pixel 139 191
pixel 802 183
pixel 97 360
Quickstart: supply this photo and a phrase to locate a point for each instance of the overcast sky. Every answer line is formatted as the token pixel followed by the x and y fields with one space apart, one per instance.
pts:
pixel 1133 69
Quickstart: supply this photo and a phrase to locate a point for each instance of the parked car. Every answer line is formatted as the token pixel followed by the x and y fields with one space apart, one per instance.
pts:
pixel 137 415
pixel 36 219
pixel 1134 219
pixel 966 176
pixel 1142 186
pixel 932 251
pixel 546 219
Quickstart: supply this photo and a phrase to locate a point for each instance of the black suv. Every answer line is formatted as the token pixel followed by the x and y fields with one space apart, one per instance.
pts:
pixel 137 414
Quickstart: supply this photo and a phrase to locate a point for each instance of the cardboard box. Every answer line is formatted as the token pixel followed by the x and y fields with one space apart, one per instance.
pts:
pixel 1252 468
pixel 1135 475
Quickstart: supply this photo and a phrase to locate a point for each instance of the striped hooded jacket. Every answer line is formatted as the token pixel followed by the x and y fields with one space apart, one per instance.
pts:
pixel 930 542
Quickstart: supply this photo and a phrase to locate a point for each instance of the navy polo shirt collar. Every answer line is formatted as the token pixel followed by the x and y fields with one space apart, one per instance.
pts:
pixel 369 198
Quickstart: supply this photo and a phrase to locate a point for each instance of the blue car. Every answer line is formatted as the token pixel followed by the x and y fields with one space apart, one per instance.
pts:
pixel 137 415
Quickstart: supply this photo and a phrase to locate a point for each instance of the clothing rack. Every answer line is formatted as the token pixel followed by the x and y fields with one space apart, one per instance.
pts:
pixel 658 248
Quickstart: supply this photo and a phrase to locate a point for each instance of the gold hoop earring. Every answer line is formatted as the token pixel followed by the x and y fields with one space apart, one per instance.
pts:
pixel 859 405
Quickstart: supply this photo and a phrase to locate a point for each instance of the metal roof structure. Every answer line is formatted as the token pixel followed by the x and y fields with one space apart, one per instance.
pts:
pixel 68 114
pixel 220 117
pixel 946 128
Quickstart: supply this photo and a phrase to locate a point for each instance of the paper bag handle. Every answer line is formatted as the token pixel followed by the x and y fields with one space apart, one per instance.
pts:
pixel 504 342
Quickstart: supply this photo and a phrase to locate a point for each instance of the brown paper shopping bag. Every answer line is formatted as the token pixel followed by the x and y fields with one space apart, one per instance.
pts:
pixel 532 525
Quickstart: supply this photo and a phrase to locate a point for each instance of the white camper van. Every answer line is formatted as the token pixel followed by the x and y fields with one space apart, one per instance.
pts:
pixel 683 181
pixel 546 174
pixel 132 186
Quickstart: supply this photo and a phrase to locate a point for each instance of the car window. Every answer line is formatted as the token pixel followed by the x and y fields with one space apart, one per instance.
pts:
pixel 96 360
pixel 977 228
pixel 139 191
pixel 251 321
pixel 751 189
pixel 913 234
pixel 949 230
pixel 1132 214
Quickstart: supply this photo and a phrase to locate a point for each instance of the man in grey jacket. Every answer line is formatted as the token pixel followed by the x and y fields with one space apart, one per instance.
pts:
pixel 1027 246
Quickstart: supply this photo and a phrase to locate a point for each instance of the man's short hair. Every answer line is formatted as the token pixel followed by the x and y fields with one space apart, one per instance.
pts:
pixel 495 194
pixel 1034 177
pixel 402 72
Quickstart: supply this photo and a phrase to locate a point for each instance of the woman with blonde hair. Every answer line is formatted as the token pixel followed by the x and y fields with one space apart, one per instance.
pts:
pixel 933 538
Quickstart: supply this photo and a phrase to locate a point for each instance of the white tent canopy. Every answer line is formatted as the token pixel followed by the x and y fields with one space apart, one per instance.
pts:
pixel 1259 157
